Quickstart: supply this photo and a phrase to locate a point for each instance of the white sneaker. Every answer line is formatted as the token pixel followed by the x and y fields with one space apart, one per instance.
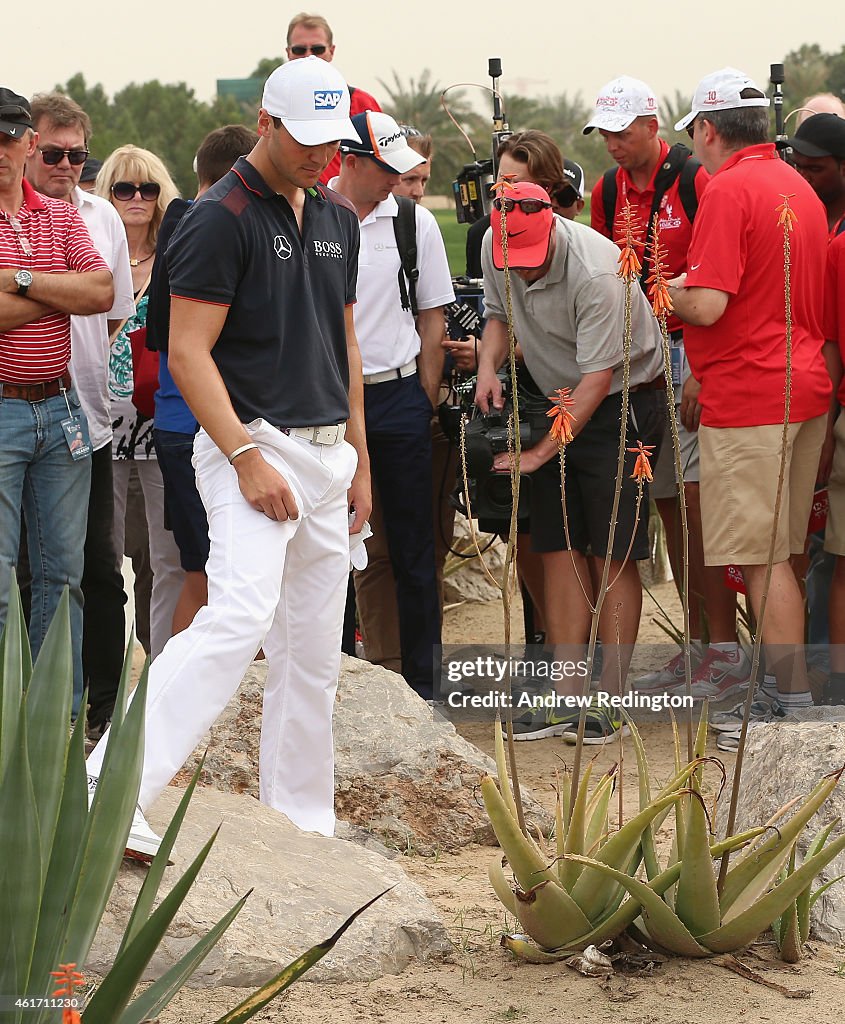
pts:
pixel 721 674
pixel 142 841
pixel 761 711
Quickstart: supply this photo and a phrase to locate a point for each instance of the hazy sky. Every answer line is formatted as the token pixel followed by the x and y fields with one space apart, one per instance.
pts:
pixel 546 48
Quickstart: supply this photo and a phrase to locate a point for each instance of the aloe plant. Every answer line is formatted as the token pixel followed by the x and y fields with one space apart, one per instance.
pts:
pixel 59 861
pixel 586 890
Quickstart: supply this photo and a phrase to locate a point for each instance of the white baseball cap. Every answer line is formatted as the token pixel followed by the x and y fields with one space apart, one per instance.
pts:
pixel 721 91
pixel 620 102
pixel 312 100
pixel 379 137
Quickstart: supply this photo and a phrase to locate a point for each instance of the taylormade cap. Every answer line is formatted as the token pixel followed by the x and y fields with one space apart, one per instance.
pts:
pixel 312 100
pixel 819 135
pixel 379 137
pixel 620 102
pixel 574 174
pixel 721 91
pixel 15 114
pixel 528 233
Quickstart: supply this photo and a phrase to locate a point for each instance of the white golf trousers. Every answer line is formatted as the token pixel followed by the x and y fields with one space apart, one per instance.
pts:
pixel 277 585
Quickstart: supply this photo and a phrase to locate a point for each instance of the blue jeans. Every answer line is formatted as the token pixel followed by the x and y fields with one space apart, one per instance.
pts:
pixel 38 474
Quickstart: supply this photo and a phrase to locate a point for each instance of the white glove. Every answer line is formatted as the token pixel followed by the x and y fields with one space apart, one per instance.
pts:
pixel 357 547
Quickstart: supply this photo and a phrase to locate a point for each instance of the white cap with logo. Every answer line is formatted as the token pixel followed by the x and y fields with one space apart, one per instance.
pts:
pixel 379 137
pixel 721 91
pixel 620 102
pixel 312 100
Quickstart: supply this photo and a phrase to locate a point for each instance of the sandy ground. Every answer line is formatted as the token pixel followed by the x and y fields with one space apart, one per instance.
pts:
pixel 481 984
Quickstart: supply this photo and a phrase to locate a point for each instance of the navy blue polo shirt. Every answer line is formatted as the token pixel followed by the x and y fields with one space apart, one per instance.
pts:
pixel 282 350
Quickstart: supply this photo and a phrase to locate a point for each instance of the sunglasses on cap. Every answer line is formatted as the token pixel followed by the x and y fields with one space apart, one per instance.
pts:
pixel 526 205
pixel 318 50
pixel 52 156
pixel 125 190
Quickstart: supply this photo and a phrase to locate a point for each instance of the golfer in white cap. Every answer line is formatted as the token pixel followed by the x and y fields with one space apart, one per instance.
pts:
pixel 263 273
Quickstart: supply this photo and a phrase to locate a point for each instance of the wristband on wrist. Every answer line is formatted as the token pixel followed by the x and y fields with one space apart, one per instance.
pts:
pixel 239 451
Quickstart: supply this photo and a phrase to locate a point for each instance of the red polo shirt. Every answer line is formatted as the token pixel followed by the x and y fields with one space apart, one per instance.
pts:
pixel 737 247
pixel 675 227
pixel 59 242
pixel 359 102
pixel 834 302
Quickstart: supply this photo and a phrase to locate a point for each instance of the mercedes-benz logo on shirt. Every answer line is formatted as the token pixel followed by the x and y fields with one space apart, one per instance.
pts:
pixel 282 247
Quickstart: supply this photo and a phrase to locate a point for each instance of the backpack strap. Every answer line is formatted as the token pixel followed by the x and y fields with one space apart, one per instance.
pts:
pixel 609 194
pixel 405 230
pixel 686 187
pixel 677 160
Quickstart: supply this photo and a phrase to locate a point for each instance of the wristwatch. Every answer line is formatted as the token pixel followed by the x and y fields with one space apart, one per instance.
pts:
pixel 23 279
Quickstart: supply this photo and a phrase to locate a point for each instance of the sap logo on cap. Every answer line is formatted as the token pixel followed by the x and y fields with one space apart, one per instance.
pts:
pixel 327 99
pixel 283 247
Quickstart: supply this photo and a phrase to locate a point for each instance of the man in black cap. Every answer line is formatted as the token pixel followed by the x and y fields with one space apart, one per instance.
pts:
pixel 818 153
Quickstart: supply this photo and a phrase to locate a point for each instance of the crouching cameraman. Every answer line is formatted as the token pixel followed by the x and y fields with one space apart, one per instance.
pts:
pixel 568 310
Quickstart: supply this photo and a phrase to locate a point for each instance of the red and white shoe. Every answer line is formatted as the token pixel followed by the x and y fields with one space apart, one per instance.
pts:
pixel 721 674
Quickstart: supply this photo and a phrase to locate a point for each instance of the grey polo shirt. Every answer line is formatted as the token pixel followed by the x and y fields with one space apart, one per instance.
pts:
pixel 572 320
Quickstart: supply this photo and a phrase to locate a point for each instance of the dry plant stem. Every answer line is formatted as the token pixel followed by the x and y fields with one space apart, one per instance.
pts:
pixel 621 775
pixel 758 639
pixel 602 591
pixel 566 527
pixel 682 504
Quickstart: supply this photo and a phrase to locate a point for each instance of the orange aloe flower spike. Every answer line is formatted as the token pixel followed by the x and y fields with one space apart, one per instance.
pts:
pixel 658 286
pixel 787 217
pixel 562 418
pixel 642 465
pixel 68 980
pixel 629 262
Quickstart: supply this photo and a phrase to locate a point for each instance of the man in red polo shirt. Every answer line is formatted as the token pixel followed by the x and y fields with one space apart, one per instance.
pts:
pixel 732 299
pixel 49 269
pixel 655 178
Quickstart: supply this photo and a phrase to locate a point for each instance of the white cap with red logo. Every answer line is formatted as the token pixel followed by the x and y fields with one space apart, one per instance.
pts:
pixel 721 91
pixel 620 102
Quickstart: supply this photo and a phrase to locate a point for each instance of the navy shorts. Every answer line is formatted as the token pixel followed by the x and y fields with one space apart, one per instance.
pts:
pixel 184 512
pixel 591 461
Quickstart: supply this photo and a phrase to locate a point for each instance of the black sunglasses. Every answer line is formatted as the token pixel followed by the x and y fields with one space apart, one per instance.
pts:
pixel 691 127
pixel 51 156
pixel 526 205
pixel 125 190
pixel 300 51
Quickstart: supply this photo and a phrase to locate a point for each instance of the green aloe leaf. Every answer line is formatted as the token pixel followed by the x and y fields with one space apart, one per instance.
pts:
pixel 598 811
pixel 155 998
pixel 802 903
pixel 501 886
pixel 258 1000
pixel 116 990
pixel 48 704
pixel 663 925
pixel 524 949
pixel 575 831
pixel 107 828
pixel 527 862
pixel 696 898
pixel 152 880
pixel 502 768
pixel 550 915
pixel 747 926
pixel 14 656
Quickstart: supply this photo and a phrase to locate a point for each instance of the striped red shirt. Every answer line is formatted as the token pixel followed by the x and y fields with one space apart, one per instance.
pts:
pixel 52 239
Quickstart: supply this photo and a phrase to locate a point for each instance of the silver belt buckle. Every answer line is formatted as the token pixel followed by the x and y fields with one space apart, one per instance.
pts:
pixel 325 435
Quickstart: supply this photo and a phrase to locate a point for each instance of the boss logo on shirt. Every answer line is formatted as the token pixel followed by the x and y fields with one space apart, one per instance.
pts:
pixel 332 249
pixel 327 99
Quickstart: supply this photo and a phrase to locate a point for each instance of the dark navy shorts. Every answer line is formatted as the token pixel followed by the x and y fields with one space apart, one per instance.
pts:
pixel 184 512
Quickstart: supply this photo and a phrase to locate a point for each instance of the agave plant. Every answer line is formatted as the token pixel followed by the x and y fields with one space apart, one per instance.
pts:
pixel 59 861
pixel 587 890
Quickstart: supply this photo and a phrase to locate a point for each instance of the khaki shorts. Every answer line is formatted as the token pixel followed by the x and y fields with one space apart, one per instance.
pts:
pixel 739 475
pixel 834 532
pixel 664 484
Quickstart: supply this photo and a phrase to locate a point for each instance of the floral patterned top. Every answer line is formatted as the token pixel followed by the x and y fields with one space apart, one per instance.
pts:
pixel 133 433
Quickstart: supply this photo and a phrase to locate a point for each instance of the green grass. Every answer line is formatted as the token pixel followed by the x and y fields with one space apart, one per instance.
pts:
pixel 455 237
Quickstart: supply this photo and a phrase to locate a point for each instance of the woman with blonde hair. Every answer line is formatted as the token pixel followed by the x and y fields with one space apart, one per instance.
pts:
pixel 140 188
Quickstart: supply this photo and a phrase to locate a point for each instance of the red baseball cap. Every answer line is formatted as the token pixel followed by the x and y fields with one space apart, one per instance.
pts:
pixel 529 234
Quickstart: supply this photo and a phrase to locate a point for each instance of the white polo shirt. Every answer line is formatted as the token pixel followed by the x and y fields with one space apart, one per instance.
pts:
pixel 89 335
pixel 386 333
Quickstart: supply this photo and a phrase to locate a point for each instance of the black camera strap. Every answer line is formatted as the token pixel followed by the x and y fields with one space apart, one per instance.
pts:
pixel 405 230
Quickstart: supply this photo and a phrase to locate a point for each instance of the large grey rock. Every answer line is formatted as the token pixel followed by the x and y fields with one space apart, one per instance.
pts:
pixel 784 761
pixel 304 887
pixel 465 580
pixel 402 772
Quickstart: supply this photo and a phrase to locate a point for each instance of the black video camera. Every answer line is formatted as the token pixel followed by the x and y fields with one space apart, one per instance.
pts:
pixel 486 436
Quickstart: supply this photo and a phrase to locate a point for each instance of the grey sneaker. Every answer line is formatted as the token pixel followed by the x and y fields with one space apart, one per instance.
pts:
pixel 761 711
